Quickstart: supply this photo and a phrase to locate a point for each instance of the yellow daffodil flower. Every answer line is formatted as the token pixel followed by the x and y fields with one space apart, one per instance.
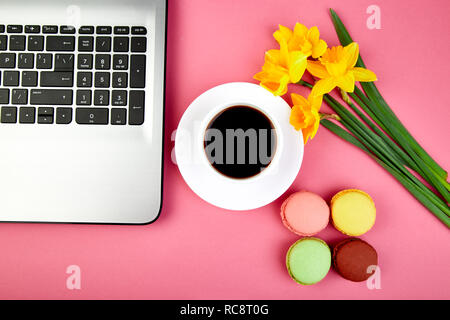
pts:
pixel 302 39
pixel 281 67
pixel 305 115
pixel 336 68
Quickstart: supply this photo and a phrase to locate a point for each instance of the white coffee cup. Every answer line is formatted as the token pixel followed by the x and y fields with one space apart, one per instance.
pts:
pixel 217 188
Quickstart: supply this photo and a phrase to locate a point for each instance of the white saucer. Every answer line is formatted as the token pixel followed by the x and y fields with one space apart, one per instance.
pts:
pixel 217 189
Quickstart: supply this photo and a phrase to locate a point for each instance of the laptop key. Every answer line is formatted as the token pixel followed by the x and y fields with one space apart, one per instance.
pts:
pixel 56 79
pixel 84 97
pixel 29 78
pixel 16 43
pixel 103 30
pixel 85 61
pixel 136 107
pixel 103 44
pixel 60 43
pixel 51 97
pixel 119 98
pixel 137 71
pixel 4 96
pixel 11 78
pixel 118 116
pixel 45 115
pixel 45 111
pixel 27 115
pixel 35 43
pixel 50 29
pixel 12 28
pixel 64 62
pixel 85 44
pixel 19 96
pixel 138 44
pixel 25 61
pixel 119 80
pixel 92 115
pixel 3 42
pixel 101 97
pixel 63 115
pixel 9 115
pixel 45 119
pixel 120 62
pixel 7 60
pixel 84 79
pixel 86 30
pixel 102 61
pixel 32 29
pixel 121 44
pixel 44 61
pixel 102 79
pixel 121 30
pixel 139 30
pixel 67 30
pixel 2 28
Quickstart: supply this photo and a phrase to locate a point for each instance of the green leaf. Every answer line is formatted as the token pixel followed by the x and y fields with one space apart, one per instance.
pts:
pixel 416 191
pixel 372 93
pixel 377 146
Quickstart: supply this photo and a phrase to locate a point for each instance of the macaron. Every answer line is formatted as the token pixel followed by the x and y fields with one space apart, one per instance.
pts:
pixel 308 260
pixel 352 258
pixel 353 212
pixel 305 213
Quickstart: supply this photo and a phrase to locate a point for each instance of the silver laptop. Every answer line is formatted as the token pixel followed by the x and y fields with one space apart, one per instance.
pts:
pixel 82 106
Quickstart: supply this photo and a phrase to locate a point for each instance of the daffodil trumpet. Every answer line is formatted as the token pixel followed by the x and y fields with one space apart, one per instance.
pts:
pixel 369 124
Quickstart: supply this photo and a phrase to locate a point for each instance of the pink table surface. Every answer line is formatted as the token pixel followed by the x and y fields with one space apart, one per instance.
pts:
pixel 197 251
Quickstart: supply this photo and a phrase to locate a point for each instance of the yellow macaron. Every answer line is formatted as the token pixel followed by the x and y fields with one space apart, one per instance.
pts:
pixel 353 212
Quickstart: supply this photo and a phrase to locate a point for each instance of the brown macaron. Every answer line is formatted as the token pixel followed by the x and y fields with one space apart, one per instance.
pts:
pixel 352 258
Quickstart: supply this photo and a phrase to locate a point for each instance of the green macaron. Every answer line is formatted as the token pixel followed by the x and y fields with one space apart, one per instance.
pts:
pixel 308 260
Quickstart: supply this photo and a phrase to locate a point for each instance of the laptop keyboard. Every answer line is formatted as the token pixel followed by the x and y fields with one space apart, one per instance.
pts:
pixel 60 75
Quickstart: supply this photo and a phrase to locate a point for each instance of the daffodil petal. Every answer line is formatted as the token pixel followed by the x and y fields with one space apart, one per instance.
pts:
pixel 299 100
pixel 319 49
pixel 273 56
pixel 346 82
pixel 314 128
pixel 300 30
pixel 364 75
pixel 282 34
pixel 294 118
pixel 305 136
pixel 315 102
pixel 323 86
pixel 310 131
pixel 336 69
pixel 278 88
pixel 317 69
pixel 313 34
pixel 297 66
pixel 351 54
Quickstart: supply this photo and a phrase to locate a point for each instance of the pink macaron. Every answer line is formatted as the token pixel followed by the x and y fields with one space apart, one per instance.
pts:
pixel 305 213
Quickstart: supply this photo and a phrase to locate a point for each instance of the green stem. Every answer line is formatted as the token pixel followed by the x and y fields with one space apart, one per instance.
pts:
pixel 375 96
pixel 416 191
pixel 404 155
pixel 428 174
pixel 369 105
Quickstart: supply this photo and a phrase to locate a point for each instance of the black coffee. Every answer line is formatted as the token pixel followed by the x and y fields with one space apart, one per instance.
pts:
pixel 240 142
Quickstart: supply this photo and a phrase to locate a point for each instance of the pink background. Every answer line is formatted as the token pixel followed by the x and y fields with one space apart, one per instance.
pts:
pixel 197 251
